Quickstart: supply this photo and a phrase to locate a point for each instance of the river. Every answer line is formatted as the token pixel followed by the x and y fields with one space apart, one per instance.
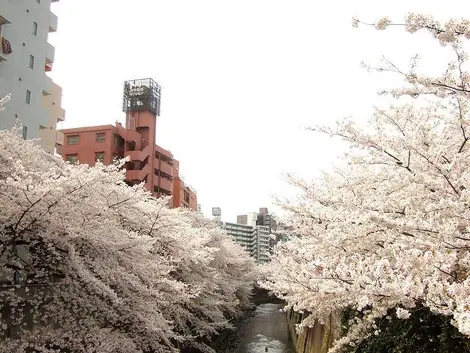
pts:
pixel 265 331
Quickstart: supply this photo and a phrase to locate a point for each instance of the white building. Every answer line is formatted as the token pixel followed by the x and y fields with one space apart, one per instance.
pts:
pixel 251 218
pixel 25 57
pixel 248 219
pixel 262 234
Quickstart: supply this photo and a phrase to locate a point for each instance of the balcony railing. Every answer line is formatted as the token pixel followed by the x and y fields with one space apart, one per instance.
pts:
pixel 166 168
pixel 166 184
pixel 59 138
pixel 48 86
pixel 53 22
pixel 5 15
pixel 50 53
pixel 136 175
pixel 61 116
pixel 139 155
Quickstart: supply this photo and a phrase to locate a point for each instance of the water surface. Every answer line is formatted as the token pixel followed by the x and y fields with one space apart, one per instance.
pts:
pixel 265 331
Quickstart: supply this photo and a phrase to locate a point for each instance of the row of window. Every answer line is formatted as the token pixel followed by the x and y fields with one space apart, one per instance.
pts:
pixel 161 190
pixel 75 139
pixel 31 57
pixel 73 158
pixel 162 174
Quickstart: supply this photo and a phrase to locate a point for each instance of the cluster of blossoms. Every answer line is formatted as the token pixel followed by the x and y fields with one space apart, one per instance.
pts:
pixel 383 23
pixel 446 33
pixel 89 264
pixel 392 229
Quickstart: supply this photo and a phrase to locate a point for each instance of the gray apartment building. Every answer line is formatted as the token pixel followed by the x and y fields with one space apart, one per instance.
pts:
pixel 254 239
pixel 25 58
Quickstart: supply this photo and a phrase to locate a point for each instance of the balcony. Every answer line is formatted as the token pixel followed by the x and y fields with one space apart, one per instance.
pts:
pixel 140 155
pixel 50 53
pixel 61 116
pixel 166 184
pixel 8 50
pixel 59 138
pixel 166 168
pixel 129 135
pixel 135 174
pixel 53 20
pixel 4 15
pixel 48 86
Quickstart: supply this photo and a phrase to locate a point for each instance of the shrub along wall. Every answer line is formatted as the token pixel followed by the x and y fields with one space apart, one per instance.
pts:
pixel 423 332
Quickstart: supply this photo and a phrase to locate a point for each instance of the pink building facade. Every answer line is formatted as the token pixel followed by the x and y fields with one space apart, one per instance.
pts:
pixel 148 162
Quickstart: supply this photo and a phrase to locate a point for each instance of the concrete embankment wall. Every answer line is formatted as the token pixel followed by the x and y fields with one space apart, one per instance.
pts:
pixel 317 339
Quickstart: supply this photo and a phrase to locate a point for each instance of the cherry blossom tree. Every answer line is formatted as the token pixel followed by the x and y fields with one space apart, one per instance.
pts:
pixel 390 231
pixel 89 264
pixel 223 280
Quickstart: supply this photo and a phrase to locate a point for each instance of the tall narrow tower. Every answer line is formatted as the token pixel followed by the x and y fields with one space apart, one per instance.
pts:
pixel 140 96
pixel 141 103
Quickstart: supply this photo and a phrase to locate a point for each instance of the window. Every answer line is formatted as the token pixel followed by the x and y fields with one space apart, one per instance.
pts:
pixel 71 158
pixel 73 140
pixel 35 28
pixel 100 137
pixel 25 132
pixel 31 62
pixel 99 156
pixel 28 97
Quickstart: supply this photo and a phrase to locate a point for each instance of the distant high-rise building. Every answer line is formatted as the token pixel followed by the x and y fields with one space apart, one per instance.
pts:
pixel 242 219
pixel 262 236
pixel 254 239
pixel 25 57
pixel 267 220
pixel 217 213
pixel 242 234
pixel 250 218
pixel 148 162
pixel 267 235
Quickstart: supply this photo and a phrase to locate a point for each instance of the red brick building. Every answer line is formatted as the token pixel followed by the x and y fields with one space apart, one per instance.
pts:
pixel 148 162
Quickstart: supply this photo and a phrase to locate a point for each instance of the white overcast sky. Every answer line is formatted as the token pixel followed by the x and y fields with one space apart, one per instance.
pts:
pixel 240 79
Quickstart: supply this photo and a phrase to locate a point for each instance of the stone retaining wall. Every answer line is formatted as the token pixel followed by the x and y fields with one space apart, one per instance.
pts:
pixel 317 339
